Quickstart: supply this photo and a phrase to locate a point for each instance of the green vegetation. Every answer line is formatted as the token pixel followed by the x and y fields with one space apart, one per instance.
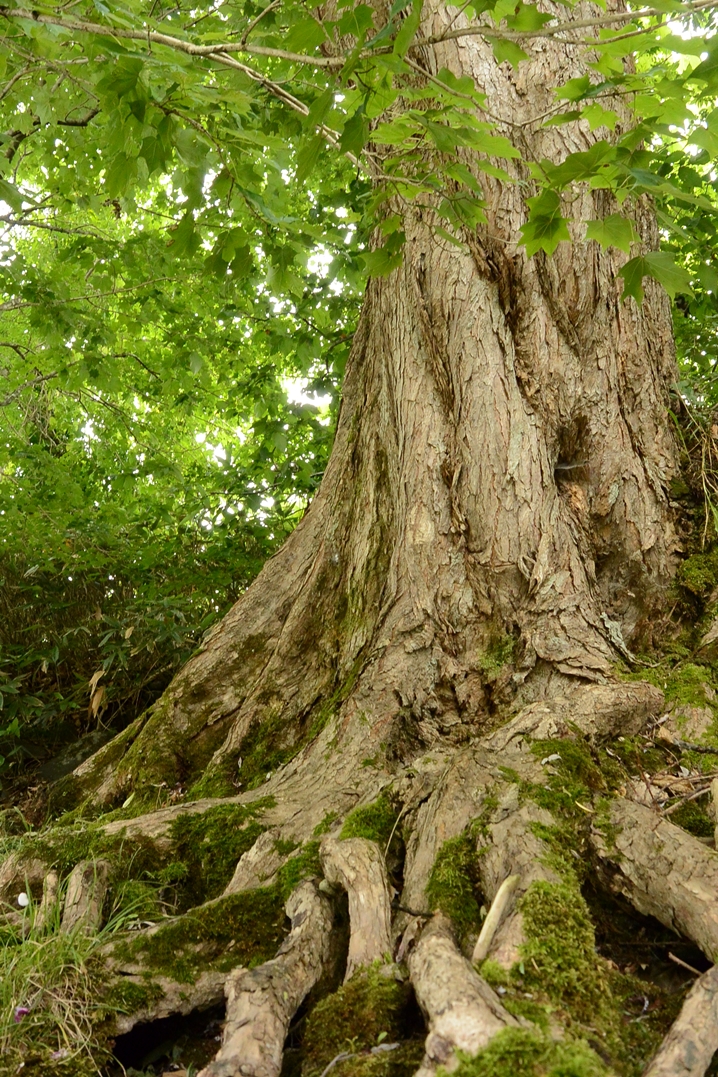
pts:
pixel 375 821
pixel 453 886
pixel 242 929
pixel 373 1008
pixel 519 1053
pixel 50 982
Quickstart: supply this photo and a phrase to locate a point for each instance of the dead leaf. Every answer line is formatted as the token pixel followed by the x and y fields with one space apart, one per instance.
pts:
pixel 97 701
pixel 94 680
pixel 129 631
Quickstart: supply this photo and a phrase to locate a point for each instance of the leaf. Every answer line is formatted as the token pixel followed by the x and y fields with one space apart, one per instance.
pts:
pixel 409 26
pixel 507 51
pixel 574 89
pixel 660 266
pixel 613 231
pixel 123 77
pixel 355 133
pixel 307 156
pixel 546 226
pixel 527 18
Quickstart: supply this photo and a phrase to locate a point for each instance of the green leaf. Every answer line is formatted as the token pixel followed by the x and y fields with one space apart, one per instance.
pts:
pixel 661 267
pixel 527 18
pixel 613 231
pixel 355 133
pixel 546 226
pixel 507 51
pixel 307 156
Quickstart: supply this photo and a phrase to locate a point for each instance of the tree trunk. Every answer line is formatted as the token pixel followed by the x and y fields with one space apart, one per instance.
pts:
pixel 492 533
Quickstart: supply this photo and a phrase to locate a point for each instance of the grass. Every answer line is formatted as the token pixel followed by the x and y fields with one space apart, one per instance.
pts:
pixel 49 994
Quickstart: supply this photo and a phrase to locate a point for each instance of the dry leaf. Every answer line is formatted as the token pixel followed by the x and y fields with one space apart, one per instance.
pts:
pixel 97 702
pixel 94 679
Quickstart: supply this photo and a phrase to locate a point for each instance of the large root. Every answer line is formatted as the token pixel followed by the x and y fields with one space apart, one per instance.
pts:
pixel 261 1002
pixel 357 865
pixel 462 1011
pixel 662 870
pixel 689 1047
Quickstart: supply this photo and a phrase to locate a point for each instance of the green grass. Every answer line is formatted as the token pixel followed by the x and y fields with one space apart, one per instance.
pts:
pixel 54 976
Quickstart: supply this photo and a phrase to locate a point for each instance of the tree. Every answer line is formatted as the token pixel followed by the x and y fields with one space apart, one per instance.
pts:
pixel 427 667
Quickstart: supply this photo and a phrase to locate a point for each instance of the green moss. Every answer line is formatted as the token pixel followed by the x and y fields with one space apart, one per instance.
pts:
pixel 305 865
pixel 326 824
pixel 694 818
pixel 210 844
pixel 699 573
pixel 559 955
pixel 371 1008
pixel 242 929
pixel 128 996
pixel 520 1053
pixel 499 653
pixel 374 821
pixel 454 883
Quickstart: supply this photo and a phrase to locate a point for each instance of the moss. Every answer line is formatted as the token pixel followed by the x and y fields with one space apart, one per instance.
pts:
pixel 128 996
pixel 559 955
pixel 520 1053
pixel 304 865
pixel 242 929
pixel 370 1009
pixel 454 883
pixel 694 818
pixel 326 824
pixel 211 843
pixel 499 653
pixel 374 821
pixel 699 573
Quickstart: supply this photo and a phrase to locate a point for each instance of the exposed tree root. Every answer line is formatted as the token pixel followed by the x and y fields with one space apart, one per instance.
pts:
pixel 462 1011
pixel 206 991
pixel 261 1002
pixel 85 897
pixel 689 1047
pixel 662 870
pixel 357 865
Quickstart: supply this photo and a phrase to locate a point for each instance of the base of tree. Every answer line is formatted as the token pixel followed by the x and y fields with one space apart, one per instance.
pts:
pixel 384 895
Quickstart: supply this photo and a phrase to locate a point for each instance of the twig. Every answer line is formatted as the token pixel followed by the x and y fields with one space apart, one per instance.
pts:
pixel 686 800
pixel 683 964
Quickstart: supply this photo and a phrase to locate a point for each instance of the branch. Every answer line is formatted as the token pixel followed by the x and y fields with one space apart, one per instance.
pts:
pixel 22 304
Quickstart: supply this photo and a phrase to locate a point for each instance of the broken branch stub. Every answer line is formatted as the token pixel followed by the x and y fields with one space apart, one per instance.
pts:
pixel 86 890
pixel 662 870
pixel 262 1001
pixel 357 865
pixel 689 1047
pixel 462 1011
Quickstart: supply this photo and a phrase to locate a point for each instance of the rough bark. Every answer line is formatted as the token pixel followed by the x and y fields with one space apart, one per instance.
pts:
pixel 663 871
pixel 689 1047
pixel 462 1011
pixel 86 889
pixel 357 865
pixel 261 1002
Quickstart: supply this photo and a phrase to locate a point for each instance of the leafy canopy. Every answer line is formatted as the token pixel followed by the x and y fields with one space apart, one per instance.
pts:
pixel 187 196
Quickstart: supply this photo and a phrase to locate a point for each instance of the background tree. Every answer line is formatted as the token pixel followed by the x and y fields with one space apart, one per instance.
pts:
pixel 492 535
